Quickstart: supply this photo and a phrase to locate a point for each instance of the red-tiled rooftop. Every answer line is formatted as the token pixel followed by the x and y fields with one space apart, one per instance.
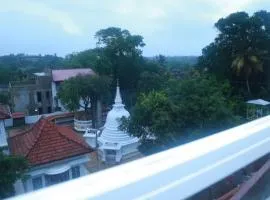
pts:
pixel 64 74
pixel 17 115
pixel 4 111
pixel 46 142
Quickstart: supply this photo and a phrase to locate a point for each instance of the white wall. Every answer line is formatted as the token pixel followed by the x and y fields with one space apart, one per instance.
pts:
pixel 54 93
pixel 9 122
pixel 32 119
pixel 3 136
pixel 41 171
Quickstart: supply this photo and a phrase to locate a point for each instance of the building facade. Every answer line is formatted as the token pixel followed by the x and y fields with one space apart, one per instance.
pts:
pixel 32 97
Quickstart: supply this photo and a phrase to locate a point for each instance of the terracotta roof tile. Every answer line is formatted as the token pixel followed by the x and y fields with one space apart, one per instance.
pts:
pixel 18 115
pixel 46 142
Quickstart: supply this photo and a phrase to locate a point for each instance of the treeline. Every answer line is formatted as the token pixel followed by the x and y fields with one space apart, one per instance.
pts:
pixel 21 66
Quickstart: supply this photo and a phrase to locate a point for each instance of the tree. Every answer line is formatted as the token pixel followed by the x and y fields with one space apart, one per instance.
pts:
pixel 84 92
pixel 186 107
pixel 120 56
pixel 12 168
pixel 83 59
pixel 247 64
pixel 242 46
pixel 161 59
pixel 4 98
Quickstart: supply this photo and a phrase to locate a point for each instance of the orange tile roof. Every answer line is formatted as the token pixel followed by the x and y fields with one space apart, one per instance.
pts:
pixel 17 115
pixel 46 142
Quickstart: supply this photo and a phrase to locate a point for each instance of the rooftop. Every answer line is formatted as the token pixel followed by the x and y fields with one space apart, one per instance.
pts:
pixel 64 74
pixel 46 142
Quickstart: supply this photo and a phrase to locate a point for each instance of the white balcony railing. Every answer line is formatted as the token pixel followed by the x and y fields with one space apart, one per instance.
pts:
pixel 177 173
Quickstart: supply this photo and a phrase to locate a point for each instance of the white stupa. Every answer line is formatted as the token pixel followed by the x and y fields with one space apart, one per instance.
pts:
pixel 115 144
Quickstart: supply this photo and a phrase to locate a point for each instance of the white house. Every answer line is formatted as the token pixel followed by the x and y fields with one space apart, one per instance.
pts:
pixel 55 153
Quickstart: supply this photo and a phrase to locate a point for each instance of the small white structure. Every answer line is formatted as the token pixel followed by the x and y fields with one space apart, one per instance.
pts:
pixel 91 136
pixel 257 108
pixel 115 144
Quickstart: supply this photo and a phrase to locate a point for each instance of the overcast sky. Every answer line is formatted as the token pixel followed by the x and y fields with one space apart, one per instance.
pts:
pixel 169 27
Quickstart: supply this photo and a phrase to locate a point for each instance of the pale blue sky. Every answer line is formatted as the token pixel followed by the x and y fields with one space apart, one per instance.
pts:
pixel 169 27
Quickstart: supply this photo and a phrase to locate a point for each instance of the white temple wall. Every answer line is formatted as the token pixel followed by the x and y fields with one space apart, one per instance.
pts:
pixel 130 148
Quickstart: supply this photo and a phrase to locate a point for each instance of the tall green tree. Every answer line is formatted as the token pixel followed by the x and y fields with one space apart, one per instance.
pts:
pixel 12 168
pixel 247 64
pixel 120 55
pixel 242 46
pixel 83 59
pixel 84 92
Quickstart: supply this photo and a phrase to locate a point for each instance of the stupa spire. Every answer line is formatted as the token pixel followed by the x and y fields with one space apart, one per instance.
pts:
pixel 118 99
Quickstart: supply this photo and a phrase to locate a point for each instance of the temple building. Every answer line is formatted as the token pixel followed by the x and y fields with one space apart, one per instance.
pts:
pixel 114 145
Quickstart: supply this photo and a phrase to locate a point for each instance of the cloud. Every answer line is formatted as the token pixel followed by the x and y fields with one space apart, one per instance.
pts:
pixel 42 10
pixel 222 8
pixel 169 26
pixel 139 9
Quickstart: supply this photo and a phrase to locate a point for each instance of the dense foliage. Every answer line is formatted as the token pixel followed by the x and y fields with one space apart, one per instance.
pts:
pixel 84 92
pixel 196 105
pixel 241 52
pixel 21 66
pixel 12 168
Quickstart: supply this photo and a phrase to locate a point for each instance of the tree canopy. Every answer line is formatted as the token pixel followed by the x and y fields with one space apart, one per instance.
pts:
pixel 12 168
pixel 84 91
pixel 184 108
pixel 240 51
pixel 120 56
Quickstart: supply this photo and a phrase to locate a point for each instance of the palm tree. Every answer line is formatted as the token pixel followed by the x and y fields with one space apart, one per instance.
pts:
pixel 246 64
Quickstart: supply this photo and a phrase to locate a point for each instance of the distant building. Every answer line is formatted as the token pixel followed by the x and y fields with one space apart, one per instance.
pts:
pixel 58 76
pixel 32 96
pixel 55 153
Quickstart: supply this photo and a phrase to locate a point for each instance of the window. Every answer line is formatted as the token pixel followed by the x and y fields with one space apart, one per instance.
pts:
pixel 49 109
pixel 48 95
pixel 39 96
pixel 57 178
pixel 111 152
pixel 75 172
pixel 40 111
pixel 37 183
